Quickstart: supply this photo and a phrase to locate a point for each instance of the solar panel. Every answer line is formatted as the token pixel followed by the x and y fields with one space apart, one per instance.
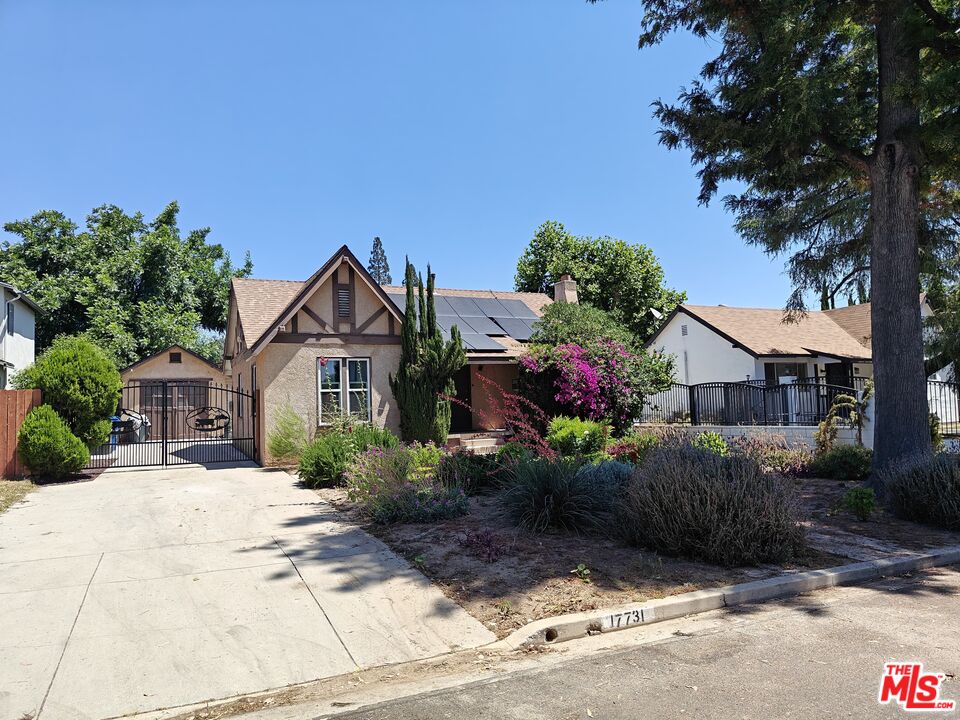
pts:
pixel 447 321
pixel 399 299
pixel 517 328
pixel 465 307
pixel 517 309
pixel 443 307
pixel 476 341
pixel 481 325
pixel 491 307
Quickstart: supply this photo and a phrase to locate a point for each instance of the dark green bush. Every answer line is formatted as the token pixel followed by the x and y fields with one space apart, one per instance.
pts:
pixel 843 462
pixel 475 473
pixel 928 492
pixel 365 435
pixel 574 436
pixel 725 510
pixel 47 446
pixel 324 461
pixel 80 382
pixel 542 494
pixel 862 502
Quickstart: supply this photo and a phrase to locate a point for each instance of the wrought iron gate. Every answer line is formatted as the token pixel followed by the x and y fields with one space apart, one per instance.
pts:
pixel 179 422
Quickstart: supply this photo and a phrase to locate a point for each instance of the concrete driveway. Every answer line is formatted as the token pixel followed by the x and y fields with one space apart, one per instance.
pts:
pixel 152 589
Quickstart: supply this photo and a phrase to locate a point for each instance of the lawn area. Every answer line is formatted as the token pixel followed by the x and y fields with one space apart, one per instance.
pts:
pixel 507 577
pixel 12 491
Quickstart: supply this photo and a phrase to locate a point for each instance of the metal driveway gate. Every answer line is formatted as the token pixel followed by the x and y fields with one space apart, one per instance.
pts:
pixel 179 422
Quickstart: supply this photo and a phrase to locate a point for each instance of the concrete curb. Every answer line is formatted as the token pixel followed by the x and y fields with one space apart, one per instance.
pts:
pixel 550 631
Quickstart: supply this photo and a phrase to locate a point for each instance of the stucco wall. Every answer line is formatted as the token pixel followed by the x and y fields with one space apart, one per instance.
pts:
pixel 18 348
pixel 709 357
pixel 288 374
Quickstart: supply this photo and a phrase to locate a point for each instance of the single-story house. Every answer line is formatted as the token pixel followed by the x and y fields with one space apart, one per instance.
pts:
pixel 174 364
pixel 17 332
pixel 327 345
pixel 716 343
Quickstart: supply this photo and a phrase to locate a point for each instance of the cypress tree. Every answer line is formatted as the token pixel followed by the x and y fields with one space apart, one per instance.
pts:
pixel 427 366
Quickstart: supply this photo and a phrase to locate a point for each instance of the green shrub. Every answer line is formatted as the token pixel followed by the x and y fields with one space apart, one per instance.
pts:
pixel 574 436
pixel 711 442
pixel 474 473
pixel 365 435
pixel 725 510
pixel 288 436
pixel 324 461
pixel 395 485
pixel 936 433
pixel 80 382
pixel 542 494
pixel 633 448
pixel 513 453
pixel 47 446
pixel 843 462
pixel 928 492
pixel 862 502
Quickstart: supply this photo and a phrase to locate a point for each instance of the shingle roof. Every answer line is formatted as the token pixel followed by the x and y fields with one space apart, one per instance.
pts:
pixel 762 331
pixel 855 319
pixel 259 302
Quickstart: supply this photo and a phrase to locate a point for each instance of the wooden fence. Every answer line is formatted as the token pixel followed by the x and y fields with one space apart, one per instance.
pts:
pixel 14 406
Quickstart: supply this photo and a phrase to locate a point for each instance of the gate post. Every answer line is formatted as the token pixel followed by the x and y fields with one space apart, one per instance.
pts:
pixel 694 411
pixel 163 422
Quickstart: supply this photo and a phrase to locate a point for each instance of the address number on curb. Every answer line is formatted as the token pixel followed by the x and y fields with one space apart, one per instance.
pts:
pixel 625 619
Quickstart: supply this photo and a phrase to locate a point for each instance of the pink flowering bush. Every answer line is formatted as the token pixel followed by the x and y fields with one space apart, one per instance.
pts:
pixel 400 485
pixel 601 381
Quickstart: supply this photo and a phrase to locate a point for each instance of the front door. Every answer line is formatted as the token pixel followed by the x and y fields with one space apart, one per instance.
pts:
pixel 839 373
pixel 462 416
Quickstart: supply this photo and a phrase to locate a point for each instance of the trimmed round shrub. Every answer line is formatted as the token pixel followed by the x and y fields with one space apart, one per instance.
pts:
pixel 574 436
pixel 543 494
pixel 47 446
pixel 843 462
pixel 80 382
pixel 633 448
pixel 693 503
pixel 928 492
pixel 324 461
pixel 711 442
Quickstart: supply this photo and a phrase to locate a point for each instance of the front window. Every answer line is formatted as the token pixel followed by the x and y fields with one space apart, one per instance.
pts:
pixel 344 389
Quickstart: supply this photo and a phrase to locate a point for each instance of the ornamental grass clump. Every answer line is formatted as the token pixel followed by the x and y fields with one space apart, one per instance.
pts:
pixel 928 492
pixel 400 485
pixel 543 494
pixel 693 503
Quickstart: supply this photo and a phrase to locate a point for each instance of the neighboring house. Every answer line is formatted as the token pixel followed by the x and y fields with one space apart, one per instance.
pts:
pixel 326 346
pixel 175 363
pixel 17 332
pixel 729 344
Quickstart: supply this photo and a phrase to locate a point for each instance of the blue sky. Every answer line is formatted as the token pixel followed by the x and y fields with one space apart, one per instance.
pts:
pixel 450 129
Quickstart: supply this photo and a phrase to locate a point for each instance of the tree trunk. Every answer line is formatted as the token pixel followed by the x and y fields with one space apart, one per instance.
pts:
pixel 901 431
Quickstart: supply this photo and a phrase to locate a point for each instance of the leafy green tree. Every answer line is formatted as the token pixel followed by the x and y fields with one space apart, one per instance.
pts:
pixel 840 117
pixel 424 378
pixel 132 286
pixel 579 323
pixel 378 267
pixel 622 279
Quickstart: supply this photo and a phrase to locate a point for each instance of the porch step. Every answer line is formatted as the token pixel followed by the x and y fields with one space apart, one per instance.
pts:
pixel 480 444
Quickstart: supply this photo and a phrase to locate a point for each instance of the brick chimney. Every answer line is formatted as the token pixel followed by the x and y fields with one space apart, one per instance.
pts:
pixel 565 290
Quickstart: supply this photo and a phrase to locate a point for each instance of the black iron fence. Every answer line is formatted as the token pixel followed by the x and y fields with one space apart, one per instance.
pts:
pixel 744 403
pixel 177 423
pixel 806 402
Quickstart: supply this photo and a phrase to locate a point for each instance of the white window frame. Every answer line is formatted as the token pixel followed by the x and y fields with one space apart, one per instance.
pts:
pixel 343 391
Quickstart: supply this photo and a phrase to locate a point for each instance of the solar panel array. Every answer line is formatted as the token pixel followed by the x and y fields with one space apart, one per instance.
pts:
pixel 480 320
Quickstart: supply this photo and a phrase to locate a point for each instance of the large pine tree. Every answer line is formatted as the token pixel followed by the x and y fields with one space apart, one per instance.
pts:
pixel 378 267
pixel 841 118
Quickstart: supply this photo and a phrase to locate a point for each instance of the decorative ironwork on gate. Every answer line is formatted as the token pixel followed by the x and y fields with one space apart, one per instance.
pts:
pixel 179 422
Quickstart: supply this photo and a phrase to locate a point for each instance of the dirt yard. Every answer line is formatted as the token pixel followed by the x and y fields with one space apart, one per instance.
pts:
pixel 13 491
pixel 506 577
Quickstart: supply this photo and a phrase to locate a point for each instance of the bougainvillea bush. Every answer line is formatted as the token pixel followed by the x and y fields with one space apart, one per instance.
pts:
pixel 400 485
pixel 600 381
